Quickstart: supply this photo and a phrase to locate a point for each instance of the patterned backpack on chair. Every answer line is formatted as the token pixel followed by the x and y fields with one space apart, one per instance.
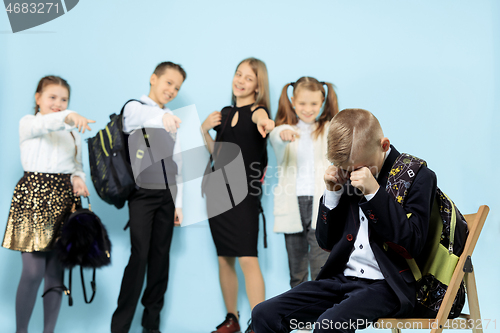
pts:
pixel 445 242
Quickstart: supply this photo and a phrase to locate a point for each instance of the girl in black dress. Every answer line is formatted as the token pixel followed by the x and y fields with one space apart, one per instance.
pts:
pixel 246 124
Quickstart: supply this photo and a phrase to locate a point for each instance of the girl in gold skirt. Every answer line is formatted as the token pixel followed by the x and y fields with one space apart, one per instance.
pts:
pixel 53 179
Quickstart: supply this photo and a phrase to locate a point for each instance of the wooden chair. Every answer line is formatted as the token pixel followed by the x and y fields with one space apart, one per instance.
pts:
pixel 464 270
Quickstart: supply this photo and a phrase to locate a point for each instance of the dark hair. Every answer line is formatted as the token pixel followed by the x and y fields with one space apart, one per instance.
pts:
pixel 47 81
pixel 286 114
pixel 162 67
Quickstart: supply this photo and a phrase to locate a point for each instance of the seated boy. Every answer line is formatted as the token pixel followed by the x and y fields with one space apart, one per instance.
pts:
pixel 363 279
pixel 152 212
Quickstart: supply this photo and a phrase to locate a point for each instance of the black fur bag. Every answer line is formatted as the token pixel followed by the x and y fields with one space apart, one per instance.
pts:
pixel 83 242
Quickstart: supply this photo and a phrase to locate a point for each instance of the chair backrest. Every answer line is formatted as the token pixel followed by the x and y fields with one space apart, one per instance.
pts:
pixel 475 223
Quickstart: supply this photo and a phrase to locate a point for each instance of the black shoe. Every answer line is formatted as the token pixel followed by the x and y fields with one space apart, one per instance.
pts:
pixel 150 330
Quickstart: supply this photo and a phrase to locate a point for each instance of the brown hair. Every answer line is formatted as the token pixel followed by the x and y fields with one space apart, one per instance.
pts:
pixel 260 70
pixel 286 114
pixel 47 81
pixel 162 67
pixel 352 133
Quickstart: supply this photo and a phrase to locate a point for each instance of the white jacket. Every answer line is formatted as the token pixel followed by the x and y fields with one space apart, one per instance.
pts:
pixel 286 205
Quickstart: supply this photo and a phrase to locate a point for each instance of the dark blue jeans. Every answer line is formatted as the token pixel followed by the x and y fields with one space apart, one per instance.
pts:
pixel 337 304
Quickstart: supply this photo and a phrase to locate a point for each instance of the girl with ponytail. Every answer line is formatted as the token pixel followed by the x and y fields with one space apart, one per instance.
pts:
pixel 53 181
pixel 300 145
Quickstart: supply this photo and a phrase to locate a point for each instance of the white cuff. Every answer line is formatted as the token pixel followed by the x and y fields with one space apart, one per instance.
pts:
pixel 155 122
pixel 331 198
pixel 180 188
pixel 78 174
pixel 67 127
pixel 368 197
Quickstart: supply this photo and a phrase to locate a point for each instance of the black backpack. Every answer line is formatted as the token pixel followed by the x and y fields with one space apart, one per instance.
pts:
pixel 445 243
pixel 83 242
pixel 109 163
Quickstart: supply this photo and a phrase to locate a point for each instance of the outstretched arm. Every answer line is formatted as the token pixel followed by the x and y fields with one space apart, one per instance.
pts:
pixel 137 115
pixel 264 124
pixel 31 126
pixel 280 138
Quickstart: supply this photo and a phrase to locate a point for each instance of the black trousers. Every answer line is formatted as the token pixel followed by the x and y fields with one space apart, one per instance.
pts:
pixel 151 227
pixel 338 304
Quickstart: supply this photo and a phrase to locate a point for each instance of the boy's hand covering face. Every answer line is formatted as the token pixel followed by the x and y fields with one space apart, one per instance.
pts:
pixel 361 178
pixel 364 180
pixel 335 178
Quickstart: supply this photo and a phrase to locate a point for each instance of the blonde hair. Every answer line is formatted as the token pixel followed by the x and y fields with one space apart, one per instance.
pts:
pixel 286 114
pixel 352 133
pixel 260 70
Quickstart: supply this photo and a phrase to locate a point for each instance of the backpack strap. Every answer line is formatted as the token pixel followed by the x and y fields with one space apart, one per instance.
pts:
pixel 448 212
pixel 92 284
pixel 264 168
pixel 261 211
pixel 67 291
pixel 63 288
pixel 211 163
pixel 219 133
pixel 126 137
pixel 401 176
pixel 130 100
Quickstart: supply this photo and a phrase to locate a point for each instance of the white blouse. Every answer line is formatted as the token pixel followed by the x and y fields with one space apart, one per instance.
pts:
pixel 47 145
pixel 305 160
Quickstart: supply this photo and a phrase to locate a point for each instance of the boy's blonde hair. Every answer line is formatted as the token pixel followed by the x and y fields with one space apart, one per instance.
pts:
pixel 352 134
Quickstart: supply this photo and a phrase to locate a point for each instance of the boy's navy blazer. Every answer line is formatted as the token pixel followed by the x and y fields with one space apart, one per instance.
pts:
pixel 389 223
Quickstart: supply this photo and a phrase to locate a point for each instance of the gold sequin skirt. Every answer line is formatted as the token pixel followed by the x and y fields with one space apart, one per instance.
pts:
pixel 39 205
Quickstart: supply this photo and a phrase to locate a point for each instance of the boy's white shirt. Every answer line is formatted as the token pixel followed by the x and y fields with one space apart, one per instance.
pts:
pixel 47 146
pixel 362 262
pixel 137 115
pixel 286 206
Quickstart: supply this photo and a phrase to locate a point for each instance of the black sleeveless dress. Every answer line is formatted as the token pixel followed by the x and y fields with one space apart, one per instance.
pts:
pixel 235 231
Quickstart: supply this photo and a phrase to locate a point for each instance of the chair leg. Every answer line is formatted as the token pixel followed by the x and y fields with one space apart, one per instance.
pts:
pixel 475 315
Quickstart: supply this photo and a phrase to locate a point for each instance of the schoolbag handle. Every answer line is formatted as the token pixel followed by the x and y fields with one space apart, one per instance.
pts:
pixel 88 203
pixel 79 206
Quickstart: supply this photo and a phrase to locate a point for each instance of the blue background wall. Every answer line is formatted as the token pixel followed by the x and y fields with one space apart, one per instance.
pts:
pixel 429 70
